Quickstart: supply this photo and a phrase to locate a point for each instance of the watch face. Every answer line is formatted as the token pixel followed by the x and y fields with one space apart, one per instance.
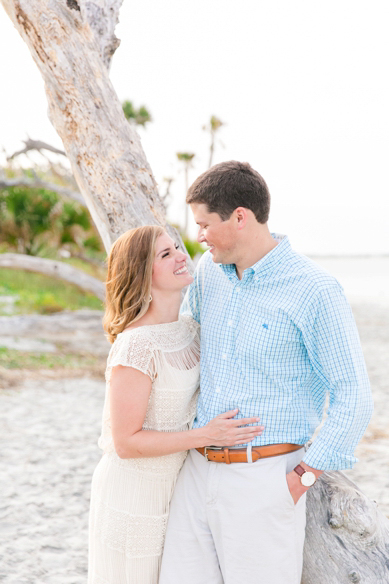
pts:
pixel 307 479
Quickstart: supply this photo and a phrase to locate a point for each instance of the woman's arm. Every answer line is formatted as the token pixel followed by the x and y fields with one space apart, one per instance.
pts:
pixel 129 395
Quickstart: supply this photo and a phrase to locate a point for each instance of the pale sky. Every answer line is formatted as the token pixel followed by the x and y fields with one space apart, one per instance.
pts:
pixel 302 86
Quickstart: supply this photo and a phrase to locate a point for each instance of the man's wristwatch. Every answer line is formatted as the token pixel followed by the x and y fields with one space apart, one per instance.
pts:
pixel 307 478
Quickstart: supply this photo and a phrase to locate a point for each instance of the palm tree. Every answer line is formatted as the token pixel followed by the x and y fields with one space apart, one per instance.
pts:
pixel 212 127
pixel 186 158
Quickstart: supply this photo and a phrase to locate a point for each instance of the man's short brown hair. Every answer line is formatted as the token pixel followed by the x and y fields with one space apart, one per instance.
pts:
pixel 229 185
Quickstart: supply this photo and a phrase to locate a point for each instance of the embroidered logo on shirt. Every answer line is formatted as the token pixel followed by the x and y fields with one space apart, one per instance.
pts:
pixel 266 326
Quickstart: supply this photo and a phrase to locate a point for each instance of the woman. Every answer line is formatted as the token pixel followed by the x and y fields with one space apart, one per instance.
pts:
pixel 152 380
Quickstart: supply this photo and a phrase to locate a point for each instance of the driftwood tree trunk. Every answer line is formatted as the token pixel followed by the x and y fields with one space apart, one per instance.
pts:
pixel 54 269
pixel 347 537
pixel 72 43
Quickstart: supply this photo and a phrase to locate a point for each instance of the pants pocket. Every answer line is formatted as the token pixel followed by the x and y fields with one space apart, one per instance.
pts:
pixel 288 494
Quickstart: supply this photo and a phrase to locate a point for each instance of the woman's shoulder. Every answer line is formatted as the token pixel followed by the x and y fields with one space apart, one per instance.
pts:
pixel 133 331
pixel 184 322
pixel 135 336
pixel 189 322
pixel 150 337
pixel 132 348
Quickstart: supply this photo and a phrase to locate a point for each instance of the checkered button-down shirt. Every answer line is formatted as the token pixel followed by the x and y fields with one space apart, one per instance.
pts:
pixel 273 344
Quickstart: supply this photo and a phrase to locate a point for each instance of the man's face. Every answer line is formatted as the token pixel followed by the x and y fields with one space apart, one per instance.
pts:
pixel 219 235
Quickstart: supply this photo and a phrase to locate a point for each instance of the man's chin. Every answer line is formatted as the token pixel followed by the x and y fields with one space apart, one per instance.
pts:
pixel 216 257
pixel 213 253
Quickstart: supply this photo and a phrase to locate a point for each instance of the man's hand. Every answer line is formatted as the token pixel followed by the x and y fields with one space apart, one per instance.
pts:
pixel 295 487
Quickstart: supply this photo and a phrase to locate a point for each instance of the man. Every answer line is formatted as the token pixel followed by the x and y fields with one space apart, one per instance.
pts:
pixel 277 336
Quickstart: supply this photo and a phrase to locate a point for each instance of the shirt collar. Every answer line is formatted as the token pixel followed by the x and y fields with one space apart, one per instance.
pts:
pixel 265 264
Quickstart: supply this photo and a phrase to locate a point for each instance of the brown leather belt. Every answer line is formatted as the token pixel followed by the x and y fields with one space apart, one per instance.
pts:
pixel 228 455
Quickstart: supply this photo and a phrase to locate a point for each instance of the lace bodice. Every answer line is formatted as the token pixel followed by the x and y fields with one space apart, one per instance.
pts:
pixel 169 354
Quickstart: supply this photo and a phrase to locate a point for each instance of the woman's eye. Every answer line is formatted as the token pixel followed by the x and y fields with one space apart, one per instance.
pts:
pixel 168 252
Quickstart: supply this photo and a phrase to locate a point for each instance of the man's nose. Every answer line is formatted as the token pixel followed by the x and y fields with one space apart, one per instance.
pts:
pixel 200 236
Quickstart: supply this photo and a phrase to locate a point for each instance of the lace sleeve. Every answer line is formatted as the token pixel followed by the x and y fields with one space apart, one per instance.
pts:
pixel 131 350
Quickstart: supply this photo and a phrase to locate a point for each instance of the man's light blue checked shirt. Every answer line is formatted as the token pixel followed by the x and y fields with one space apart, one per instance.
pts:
pixel 273 345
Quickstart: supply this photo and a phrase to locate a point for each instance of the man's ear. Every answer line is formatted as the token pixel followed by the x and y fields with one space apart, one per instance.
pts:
pixel 241 217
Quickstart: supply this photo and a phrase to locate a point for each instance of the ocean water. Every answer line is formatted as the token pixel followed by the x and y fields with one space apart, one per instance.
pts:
pixel 364 279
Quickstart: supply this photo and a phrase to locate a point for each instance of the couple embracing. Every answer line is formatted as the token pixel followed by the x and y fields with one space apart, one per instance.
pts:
pixel 205 482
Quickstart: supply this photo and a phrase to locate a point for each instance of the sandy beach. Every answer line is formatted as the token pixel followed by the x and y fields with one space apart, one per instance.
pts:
pixel 50 423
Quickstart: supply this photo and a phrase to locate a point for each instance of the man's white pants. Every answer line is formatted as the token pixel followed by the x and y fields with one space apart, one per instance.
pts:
pixel 234 524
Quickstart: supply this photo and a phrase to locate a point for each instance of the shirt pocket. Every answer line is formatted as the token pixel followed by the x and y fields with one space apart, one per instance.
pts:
pixel 271 346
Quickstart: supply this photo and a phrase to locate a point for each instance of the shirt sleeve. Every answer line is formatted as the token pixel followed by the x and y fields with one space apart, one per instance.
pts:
pixel 132 350
pixel 193 298
pixel 332 342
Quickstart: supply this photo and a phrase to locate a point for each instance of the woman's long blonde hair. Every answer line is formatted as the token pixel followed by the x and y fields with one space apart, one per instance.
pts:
pixel 128 284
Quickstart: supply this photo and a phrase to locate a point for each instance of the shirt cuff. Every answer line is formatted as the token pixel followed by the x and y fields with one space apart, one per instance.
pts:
pixel 328 460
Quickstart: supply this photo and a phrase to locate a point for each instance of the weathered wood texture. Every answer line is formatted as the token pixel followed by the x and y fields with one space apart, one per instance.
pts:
pixel 54 269
pixel 72 43
pixel 347 537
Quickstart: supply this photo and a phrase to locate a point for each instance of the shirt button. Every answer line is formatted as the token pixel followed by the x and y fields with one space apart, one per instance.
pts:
pixel 217 390
pixel 224 356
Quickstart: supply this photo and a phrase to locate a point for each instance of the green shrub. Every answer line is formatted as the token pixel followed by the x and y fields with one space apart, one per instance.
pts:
pixel 25 214
pixel 38 222
pixel 193 247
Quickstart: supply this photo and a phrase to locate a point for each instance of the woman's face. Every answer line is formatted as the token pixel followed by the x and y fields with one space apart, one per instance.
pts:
pixel 169 268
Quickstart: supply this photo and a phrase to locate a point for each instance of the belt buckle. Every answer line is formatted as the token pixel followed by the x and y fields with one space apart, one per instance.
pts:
pixel 206 448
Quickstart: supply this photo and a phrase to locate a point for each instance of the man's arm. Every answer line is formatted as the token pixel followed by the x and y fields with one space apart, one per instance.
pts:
pixel 332 342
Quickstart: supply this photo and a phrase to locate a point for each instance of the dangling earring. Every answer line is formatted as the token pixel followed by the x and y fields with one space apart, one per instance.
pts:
pixel 150 299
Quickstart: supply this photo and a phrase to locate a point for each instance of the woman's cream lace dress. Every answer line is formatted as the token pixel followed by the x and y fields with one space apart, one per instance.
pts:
pixel 130 498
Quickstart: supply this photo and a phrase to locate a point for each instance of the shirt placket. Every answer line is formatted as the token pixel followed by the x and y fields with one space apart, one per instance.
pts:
pixel 228 347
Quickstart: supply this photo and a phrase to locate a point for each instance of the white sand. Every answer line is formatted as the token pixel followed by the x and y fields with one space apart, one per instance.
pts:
pixel 49 429
pixel 372 471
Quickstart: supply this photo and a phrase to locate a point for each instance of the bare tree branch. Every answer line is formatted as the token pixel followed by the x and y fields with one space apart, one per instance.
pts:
pixel 54 269
pixel 41 184
pixel 35 145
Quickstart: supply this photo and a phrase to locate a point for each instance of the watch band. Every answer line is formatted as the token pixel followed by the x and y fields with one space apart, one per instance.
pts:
pixel 300 470
pixel 307 477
